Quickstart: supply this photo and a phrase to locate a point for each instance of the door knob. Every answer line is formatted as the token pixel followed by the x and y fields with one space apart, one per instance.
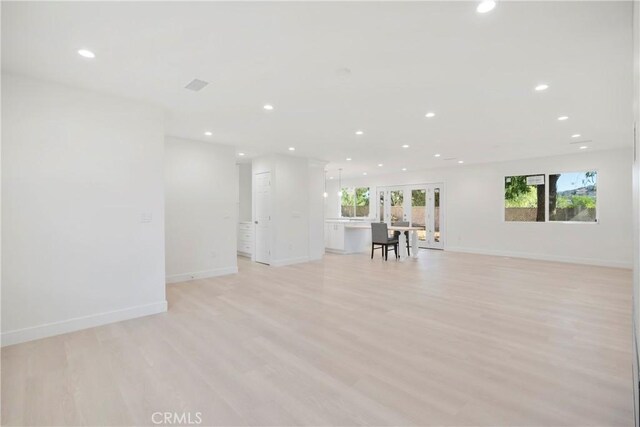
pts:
pixel 255 222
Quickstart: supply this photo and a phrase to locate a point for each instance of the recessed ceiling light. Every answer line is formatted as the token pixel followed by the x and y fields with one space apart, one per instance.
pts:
pixel 196 85
pixel 86 53
pixel 436 155
pixel 404 169
pixel 330 177
pixel 292 148
pixel 562 118
pixel 380 165
pixel 348 159
pixel 268 107
pixel 240 154
pixel 364 173
pixel 461 161
pixel 405 146
pixel 208 133
pixel 542 87
pixel 576 135
pixel 429 115
pixel 486 6
pixel 583 147
pixel 359 132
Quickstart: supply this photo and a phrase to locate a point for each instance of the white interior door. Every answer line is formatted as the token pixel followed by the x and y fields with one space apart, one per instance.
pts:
pixel 263 217
pixel 435 225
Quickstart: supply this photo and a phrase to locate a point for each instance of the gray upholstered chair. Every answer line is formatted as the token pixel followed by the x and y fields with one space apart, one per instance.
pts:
pixel 397 233
pixel 380 237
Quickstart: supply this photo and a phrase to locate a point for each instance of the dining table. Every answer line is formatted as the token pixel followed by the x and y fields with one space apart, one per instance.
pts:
pixel 402 239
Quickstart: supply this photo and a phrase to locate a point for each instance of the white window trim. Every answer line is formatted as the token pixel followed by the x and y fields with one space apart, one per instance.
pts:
pixel 340 203
pixel 546 197
pixel 597 221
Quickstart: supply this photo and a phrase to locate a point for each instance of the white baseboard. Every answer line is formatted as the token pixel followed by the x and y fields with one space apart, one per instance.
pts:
pixel 334 251
pixel 348 252
pixel 184 277
pixel 78 323
pixel 542 257
pixel 289 261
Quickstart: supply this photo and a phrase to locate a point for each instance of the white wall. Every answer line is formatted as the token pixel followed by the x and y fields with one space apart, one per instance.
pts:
pixel 316 209
pixel 636 208
pixel 201 184
pixel 474 209
pixel 245 194
pixel 82 209
pixel 290 185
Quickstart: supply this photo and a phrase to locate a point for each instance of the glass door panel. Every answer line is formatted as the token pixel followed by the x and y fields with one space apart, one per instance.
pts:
pixel 398 212
pixel 436 215
pixel 419 213
pixel 434 231
pixel 382 214
pixel 420 205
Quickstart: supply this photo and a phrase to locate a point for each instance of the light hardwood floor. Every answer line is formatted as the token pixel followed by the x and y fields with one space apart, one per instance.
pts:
pixel 445 339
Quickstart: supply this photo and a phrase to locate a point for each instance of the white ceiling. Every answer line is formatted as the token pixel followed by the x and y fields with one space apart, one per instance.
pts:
pixel 476 72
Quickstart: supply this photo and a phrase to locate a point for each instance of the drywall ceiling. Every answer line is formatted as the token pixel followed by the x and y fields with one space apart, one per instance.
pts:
pixel 330 69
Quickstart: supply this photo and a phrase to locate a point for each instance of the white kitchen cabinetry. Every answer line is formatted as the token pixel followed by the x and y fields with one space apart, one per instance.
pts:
pixel 245 239
pixel 347 237
pixel 334 236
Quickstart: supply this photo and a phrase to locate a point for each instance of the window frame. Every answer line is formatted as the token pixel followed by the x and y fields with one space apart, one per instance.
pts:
pixel 597 221
pixel 546 196
pixel 355 187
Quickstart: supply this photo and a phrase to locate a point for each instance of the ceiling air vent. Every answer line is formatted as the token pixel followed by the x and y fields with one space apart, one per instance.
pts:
pixel 196 85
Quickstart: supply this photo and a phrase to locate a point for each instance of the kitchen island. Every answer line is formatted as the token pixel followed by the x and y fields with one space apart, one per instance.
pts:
pixel 347 237
pixel 354 236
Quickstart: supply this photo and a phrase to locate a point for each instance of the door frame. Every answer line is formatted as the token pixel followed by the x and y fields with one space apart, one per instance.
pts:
pixel 386 190
pixel 268 239
pixel 431 243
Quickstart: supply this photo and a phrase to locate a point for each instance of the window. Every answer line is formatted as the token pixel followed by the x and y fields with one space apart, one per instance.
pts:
pixel 355 202
pixel 572 196
pixel 524 198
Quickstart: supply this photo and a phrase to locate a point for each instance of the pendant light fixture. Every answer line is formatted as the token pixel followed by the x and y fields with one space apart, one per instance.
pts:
pixel 325 194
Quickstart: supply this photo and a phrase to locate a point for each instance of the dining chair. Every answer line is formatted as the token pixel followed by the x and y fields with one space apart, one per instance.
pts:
pixel 380 237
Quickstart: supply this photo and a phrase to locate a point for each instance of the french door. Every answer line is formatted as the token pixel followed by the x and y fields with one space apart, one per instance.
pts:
pixel 419 205
pixel 434 230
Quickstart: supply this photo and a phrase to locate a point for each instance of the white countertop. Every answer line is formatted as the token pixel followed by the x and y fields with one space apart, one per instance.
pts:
pixel 366 226
pixel 349 221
